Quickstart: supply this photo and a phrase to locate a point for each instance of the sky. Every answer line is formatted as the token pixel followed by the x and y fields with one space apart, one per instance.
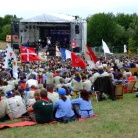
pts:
pixel 81 8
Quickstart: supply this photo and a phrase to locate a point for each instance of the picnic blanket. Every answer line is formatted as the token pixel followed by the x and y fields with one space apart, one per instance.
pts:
pixel 30 123
pixel 19 124
pixel 94 116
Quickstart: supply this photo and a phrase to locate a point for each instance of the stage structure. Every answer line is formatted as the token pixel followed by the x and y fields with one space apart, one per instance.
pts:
pixel 59 29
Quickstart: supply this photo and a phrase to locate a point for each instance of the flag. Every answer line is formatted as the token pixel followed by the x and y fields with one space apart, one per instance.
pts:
pixel 125 48
pixel 77 61
pixel 63 54
pixel 105 48
pixel 11 61
pixel 90 56
pixel 66 54
pixel 28 54
pixel 58 53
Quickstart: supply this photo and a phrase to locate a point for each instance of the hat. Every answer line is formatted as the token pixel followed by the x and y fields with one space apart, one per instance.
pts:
pixel 62 91
pixel 9 94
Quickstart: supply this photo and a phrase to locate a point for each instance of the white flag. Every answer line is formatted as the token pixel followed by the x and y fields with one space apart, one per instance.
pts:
pixel 58 53
pixel 11 61
pixel 125 48
pixel 105 48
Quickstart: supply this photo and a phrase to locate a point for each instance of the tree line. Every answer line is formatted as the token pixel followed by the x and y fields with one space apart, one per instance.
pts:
pixel 115 30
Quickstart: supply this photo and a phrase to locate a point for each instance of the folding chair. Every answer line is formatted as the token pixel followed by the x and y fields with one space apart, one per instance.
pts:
pixel 119 91
pixel 131 86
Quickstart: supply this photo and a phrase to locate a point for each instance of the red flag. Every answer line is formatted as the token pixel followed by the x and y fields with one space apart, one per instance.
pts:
pixel 77 61
pixel 91 54
pixel 28 54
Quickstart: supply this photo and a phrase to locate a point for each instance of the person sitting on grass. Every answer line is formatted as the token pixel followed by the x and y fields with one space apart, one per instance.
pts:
pixel 43 109
pixel 82 106
pixel 5 112
pixel 62 109
pixel 16 104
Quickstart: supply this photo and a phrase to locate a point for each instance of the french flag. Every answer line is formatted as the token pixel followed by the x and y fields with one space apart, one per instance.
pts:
pixel 76 60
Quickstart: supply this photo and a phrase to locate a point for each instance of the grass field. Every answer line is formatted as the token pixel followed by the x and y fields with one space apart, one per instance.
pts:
pixel 3 45
pixel 117 119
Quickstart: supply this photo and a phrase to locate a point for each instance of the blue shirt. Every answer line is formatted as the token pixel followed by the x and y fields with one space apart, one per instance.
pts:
pixel 64 108
pixel 85 110
pixel 44 77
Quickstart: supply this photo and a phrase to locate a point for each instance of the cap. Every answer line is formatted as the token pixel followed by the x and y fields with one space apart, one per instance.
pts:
pixel 9 94
pixel 62 91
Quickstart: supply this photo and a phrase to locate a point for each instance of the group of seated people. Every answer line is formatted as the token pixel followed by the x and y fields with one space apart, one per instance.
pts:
pixel 48 95
pixel 43 105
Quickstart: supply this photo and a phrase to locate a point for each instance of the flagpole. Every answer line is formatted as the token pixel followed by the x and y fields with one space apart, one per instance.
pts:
pixel 105 56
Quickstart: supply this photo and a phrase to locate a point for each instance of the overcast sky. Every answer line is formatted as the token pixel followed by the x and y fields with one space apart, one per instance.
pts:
pixel 82 8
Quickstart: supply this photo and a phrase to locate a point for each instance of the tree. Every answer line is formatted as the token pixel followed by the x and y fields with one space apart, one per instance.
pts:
pixel 132 45
pixel 7 19
pixel 101 26
pixel 124 20
pixel 5 30
pixel 120 36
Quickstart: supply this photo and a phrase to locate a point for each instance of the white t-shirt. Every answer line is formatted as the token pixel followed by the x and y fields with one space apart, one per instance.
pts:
pixel 17 106
pixel 53 96
pixel 31 82
pixel 6 88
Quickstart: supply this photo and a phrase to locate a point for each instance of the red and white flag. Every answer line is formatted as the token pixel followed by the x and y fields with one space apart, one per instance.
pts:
pixel 90 57
pixel 28 54
pixel 77 61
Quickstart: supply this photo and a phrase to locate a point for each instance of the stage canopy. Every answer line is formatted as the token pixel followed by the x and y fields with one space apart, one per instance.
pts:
pixel 52 17
pixel 59 27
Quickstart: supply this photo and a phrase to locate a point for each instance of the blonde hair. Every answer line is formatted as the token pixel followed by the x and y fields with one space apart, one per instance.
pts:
pixel 40 86
pixel 37 94
pixel 77 74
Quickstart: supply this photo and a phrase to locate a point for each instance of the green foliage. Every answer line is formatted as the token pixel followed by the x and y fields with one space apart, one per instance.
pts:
pixel 132 45
pixel 100 26
pixel 5 26
pixel 4 31
pixel 114 30
pixel 120 36
pixel 124 20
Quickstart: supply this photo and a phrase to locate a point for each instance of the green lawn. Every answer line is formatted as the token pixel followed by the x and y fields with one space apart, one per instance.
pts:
pixel 117 119
pixel 3 45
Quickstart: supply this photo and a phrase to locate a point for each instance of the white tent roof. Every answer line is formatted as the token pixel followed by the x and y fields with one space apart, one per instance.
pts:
pixel 58 18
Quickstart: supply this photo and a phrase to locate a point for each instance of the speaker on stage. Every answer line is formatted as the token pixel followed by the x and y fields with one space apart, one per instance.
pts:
pixel 77 31
pixel 76 49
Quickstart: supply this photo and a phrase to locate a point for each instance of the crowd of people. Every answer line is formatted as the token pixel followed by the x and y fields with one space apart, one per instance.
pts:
pixel 54 90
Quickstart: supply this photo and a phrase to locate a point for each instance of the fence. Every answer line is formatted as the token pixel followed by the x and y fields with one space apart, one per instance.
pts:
pixel 114 49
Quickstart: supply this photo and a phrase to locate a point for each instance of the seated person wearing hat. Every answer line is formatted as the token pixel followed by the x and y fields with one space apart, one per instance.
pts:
pixel 63 108
pixel 5 112
pixel 43 109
